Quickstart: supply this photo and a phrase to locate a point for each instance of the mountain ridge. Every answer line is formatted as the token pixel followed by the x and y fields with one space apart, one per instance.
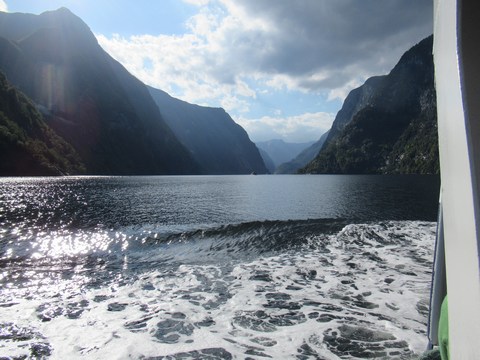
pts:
pixel 60 66
pixel 108 115
pixel 387 125
pixel 216 142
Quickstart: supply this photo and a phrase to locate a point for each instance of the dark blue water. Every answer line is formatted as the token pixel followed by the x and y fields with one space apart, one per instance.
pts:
pixel 163 257
pixel 110 202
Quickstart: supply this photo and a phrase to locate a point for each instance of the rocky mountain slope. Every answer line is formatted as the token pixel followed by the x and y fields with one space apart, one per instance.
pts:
pixel 106 114
pixel 88 98
pixel 388 125
pixel 216 142
pixel 28 146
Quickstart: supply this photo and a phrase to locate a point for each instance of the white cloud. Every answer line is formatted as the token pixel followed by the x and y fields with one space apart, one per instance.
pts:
pixel 310 47
pixel 299 128
pixel 342 92
pixel 197 2
pixel 233 48
pixel 186 66
pixel 3 6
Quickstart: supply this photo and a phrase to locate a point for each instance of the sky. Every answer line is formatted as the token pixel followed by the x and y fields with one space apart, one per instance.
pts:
pixel 280 68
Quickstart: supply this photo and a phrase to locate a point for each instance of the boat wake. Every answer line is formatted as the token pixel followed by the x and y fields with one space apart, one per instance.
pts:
pixel 320 289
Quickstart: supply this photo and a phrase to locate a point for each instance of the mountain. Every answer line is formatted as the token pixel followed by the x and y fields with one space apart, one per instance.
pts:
pixel 267 160
pixel 302 159
pixel 388 125
pixel 28 145
pixel 216 142
pixel 281 151
pixel 87 97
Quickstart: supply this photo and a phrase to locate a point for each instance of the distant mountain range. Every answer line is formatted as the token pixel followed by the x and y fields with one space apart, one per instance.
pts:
pixel 109 118
pixel 302 159
pixel 387 125
pixel 276 152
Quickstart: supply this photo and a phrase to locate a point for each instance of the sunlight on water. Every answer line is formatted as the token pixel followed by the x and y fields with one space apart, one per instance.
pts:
pixel 192 267
pixel 56 244
pixel 362 289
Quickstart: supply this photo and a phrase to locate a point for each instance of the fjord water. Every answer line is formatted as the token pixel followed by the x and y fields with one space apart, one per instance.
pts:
pixel 216 267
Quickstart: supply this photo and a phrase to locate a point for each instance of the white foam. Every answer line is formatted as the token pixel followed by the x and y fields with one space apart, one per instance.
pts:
pixel 342 276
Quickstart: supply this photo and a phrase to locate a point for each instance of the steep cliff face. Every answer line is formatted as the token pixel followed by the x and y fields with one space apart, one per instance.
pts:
pixel 88 98
pixel 216 142
pixel 388 125
pixel 267 160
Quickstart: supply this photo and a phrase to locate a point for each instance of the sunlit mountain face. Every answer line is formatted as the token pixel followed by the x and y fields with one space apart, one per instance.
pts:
pixel 89 99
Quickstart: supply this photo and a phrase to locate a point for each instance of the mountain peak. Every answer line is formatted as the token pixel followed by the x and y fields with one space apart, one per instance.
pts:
pixel 65 19
pixel 60 12
pixel 18 26
pixel 90 100
pixel 63 9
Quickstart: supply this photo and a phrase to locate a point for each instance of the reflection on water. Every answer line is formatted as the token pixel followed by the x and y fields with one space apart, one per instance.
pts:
pixel 109 202
pixel 218 266
pixel 68 217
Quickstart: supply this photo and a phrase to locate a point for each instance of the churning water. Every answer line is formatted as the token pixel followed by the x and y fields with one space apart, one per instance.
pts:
pixel 216 267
